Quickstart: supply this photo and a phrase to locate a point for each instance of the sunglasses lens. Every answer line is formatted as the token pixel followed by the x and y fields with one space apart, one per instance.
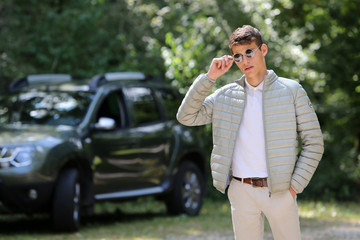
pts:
pixel 237 57
pixel 249 53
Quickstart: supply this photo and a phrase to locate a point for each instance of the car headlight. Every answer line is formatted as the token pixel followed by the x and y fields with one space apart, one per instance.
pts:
pixel 16 157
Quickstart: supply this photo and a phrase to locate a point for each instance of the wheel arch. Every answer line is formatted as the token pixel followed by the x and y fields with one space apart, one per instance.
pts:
pixel 197 158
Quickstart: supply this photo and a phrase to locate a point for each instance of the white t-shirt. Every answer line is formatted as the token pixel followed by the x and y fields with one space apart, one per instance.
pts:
pixel 249 159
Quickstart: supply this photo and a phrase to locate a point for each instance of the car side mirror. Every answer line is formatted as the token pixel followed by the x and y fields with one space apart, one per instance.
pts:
pixel 105 123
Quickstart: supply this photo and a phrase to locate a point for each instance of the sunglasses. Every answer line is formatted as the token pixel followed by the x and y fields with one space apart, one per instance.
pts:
pixel 249 53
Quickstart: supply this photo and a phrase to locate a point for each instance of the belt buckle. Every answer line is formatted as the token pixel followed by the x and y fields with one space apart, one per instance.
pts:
pixel 256 180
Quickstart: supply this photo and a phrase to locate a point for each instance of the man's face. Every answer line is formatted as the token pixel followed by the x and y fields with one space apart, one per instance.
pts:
pixel 251 66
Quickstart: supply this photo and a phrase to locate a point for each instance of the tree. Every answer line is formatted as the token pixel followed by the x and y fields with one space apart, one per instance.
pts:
pixel 78 37
pixel 329 31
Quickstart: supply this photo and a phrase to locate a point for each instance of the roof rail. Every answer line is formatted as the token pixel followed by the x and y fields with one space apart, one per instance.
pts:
pixel 101 79
pixel 114 76
pixel 44 78
pixel 37 79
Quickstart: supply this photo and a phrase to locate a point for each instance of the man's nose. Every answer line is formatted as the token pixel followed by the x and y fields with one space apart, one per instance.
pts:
pixel 246 59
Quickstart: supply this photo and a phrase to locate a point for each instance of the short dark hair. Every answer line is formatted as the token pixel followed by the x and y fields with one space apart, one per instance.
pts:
pixel 245 35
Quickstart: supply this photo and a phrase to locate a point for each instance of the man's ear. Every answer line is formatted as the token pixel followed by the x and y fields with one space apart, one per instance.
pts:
pixel 264 49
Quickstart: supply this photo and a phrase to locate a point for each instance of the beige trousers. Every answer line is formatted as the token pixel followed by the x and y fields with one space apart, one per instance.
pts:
pixel 250 204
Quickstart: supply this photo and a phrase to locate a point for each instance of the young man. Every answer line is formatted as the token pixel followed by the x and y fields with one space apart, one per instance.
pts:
pixel 256 122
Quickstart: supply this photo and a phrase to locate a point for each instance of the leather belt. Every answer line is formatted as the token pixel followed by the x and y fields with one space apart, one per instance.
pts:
pixel 255 182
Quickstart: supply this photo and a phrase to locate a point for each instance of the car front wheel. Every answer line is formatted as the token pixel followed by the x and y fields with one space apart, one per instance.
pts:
pixel 188 190
pixel 66 202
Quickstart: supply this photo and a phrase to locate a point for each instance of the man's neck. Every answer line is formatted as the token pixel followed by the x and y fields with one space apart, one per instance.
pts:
pixel 256 79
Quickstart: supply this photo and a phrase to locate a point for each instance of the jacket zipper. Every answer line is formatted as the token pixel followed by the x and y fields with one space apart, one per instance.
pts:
pixel 266 148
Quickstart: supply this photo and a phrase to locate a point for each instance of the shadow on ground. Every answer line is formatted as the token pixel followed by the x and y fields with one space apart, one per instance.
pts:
pixel 41 223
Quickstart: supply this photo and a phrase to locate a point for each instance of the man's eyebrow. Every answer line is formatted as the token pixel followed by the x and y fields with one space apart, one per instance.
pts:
pixel 245 50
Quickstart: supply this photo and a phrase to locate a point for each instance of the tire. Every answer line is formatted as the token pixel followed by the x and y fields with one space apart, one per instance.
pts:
pixel 66 202
pixel 188 190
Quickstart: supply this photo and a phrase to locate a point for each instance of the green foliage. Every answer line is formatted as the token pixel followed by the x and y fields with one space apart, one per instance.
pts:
pixel 312 41
pixel 330 32
pixel 79 37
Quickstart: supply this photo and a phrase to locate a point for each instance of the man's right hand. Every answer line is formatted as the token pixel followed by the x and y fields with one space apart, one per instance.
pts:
pixel 219 66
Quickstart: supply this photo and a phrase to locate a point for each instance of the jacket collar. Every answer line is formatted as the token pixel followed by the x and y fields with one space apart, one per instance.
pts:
pixel 269 79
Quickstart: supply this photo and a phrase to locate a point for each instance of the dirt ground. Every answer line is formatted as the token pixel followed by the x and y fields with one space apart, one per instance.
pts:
pixel 325 230
pixel 330 231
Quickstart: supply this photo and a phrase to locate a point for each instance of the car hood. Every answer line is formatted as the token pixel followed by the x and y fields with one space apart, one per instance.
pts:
pixel 24 135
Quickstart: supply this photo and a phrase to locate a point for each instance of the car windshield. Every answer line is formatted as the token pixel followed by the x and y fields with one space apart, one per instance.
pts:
pixel 44 108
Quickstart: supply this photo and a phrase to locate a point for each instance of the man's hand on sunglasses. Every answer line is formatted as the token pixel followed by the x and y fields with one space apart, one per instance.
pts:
pixel 219 66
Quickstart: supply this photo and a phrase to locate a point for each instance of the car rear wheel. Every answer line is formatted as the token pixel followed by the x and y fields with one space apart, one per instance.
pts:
pixel 188 190
pixel 66 202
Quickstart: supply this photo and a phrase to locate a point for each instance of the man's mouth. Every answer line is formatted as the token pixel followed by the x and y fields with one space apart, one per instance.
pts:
pixel 249 68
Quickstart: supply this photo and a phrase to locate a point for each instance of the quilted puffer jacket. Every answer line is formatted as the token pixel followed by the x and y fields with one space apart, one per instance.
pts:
pixel 287 114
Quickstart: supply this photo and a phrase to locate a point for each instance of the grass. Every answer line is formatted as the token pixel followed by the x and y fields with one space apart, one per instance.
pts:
pixel 146 219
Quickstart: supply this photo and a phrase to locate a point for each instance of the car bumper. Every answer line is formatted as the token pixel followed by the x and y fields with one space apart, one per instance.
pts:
pixel 25 198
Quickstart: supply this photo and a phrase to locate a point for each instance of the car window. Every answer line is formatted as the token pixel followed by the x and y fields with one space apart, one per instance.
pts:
pixel 171 101
pixel 142 104
pixel 112 107
pixel 44 108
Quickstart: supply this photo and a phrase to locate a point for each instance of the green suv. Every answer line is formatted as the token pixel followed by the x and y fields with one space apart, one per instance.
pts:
pixel 67 143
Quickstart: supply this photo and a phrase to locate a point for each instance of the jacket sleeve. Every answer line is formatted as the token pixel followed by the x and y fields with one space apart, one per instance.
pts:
pixel 197 107
pixel 312 142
